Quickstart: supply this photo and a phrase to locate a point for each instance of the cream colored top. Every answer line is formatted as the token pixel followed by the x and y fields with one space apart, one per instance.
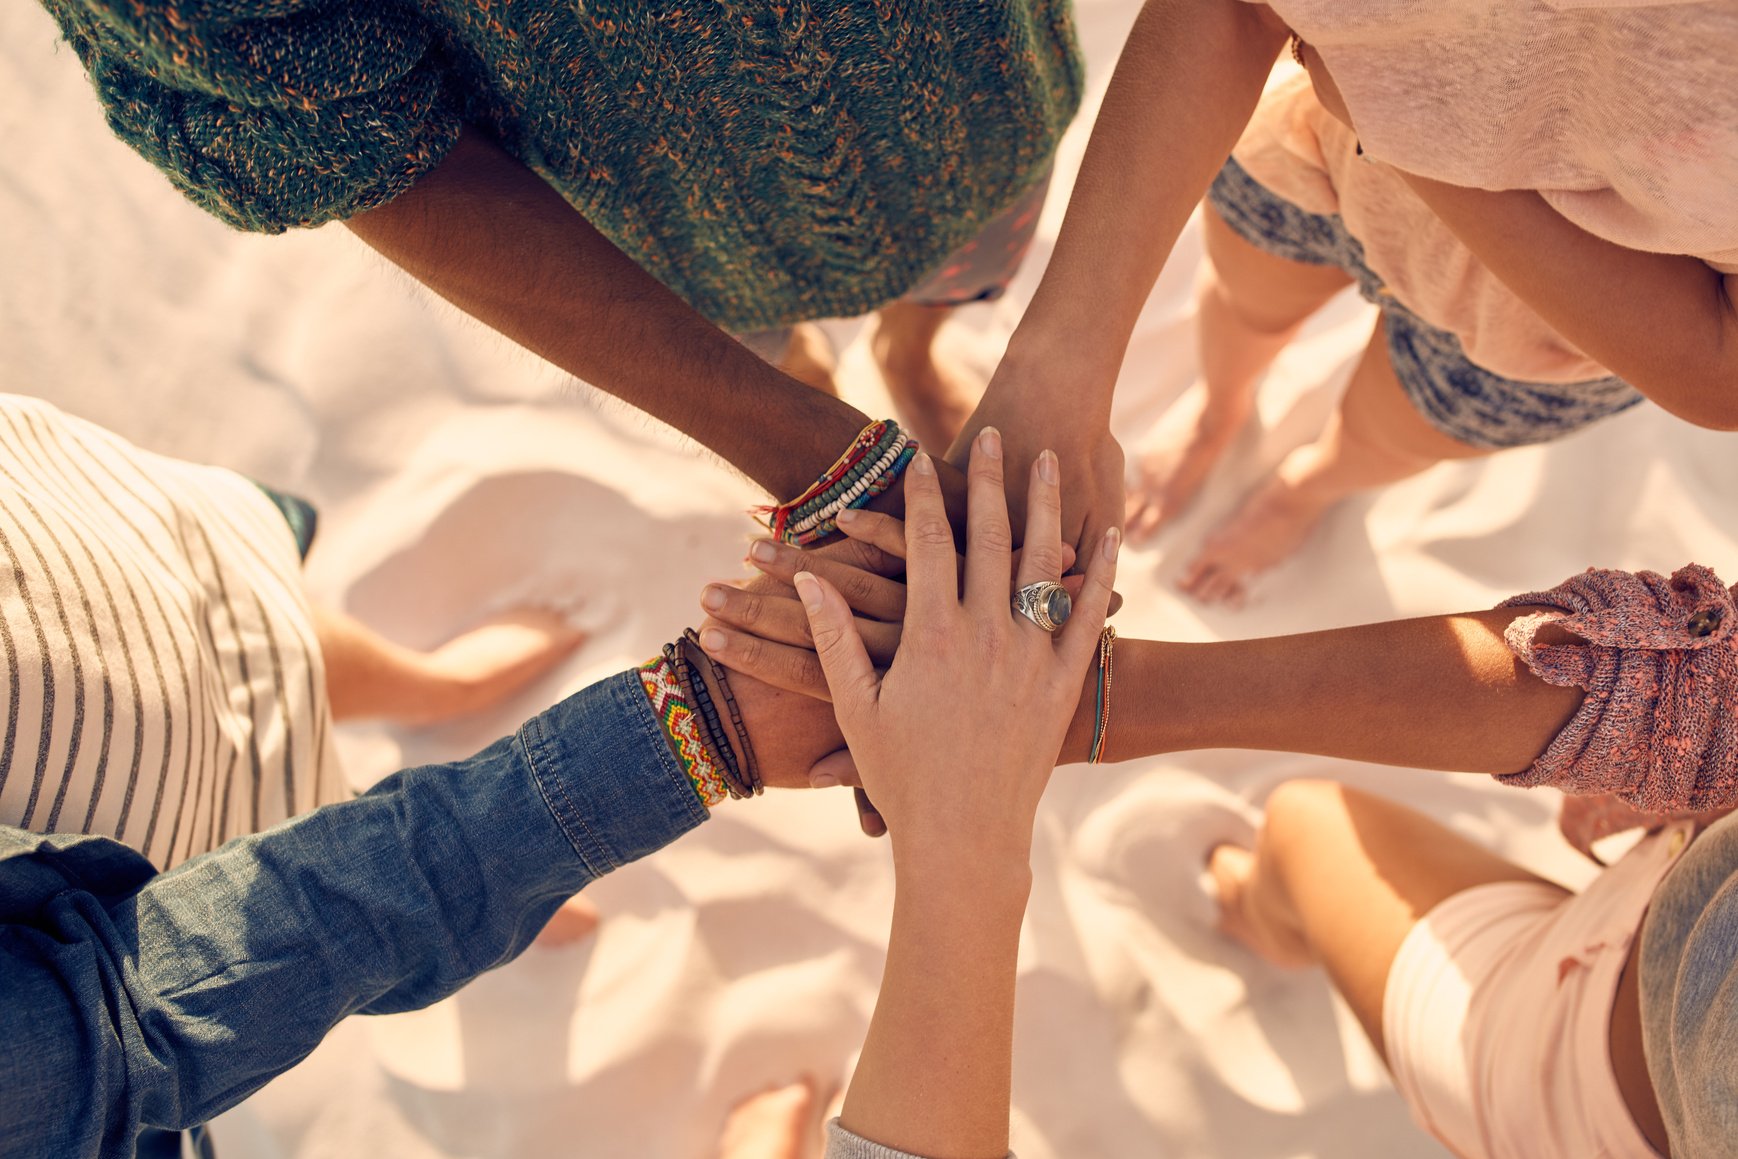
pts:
pixel 1623 116
pixel 160 680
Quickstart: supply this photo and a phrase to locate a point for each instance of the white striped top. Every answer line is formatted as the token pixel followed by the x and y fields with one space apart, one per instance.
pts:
pixel 161 681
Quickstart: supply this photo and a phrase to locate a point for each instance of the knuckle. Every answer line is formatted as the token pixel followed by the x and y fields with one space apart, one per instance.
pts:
pixel 931 533
pixel 993 536
pixel 1046 558
pixel 753 608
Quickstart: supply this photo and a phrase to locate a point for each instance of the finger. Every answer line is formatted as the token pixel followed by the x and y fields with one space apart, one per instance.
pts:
pixel 850 676
pixel 836 768
pixel 929 547
pixel 989 541
pixel 868 594
pixel 1041 558
pixel 869 818
pixel 786 666
pixel 782 621
pixel 1079 637
pixel 766 614
pixel 870 557
pixel 875 528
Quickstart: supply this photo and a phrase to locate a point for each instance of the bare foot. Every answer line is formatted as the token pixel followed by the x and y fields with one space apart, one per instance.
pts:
pixel 576 920
pixel 775 1124
pixel 934 396
pixel 809 358
pixel 489 663
pixel 1176 456
pixel 1272 523
pixel 1233 870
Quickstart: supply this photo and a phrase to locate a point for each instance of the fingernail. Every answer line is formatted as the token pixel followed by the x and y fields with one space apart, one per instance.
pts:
pixel 712 639
pixel 764 550
pixel 849 516
pixel 990 442
pixel 823 781
pixel 1112 544
pixel 712 598
pixel 921 464
pixel 808 591
pixel 1047 466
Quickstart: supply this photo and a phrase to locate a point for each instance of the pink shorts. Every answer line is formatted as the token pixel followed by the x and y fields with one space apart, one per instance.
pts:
pixel 1497 1013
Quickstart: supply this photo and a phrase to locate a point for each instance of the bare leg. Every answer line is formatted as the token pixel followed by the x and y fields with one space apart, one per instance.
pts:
pixel 809 358
pixel 1375 438
pixel 934 398
pixel 775 1124
pixel 368 675
pixel 1249 306
pixel 1340 877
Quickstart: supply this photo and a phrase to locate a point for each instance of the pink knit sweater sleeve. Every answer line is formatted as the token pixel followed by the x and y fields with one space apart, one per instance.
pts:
pixel 1660 669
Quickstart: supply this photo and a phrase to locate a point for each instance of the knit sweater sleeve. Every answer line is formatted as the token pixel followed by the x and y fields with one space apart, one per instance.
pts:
pixel 1659 662
pixel 269 114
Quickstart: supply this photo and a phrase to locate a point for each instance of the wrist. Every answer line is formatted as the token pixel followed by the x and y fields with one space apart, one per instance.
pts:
pixel 1039 364
pixel 979 866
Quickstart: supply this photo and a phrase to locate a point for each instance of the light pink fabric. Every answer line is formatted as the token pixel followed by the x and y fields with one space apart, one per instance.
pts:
pixel 1624 116
pixel 1497 1013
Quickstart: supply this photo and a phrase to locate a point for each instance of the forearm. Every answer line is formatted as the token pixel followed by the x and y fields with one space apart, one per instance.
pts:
pixel 935 1074
pixel 494 239
pixel 165 1005
pixel 1183 91
pixel 1664 323
pixel 1443 692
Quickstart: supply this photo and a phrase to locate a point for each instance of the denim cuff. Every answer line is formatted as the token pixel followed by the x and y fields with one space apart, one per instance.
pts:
pixel 608 775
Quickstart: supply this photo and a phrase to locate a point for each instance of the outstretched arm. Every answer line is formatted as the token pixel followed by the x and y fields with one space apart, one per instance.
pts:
pixel 1441 692
pixel 132 999
pixel 1184 88
pixel 953 745
pixel 493 238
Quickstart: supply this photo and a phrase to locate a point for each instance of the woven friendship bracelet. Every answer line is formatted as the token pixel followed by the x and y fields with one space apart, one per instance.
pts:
pixel 1101 715
pixel 870 465
pixel 711 724
pixel 676 719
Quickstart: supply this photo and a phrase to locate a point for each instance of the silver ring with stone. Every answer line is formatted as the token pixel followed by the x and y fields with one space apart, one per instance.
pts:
pixel 1046 603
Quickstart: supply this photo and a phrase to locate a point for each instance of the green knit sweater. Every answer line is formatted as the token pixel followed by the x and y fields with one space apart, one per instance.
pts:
pixel 768 161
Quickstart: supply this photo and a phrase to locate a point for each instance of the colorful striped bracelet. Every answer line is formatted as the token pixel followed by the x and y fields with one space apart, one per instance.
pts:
pixel 870 465
pixel 1101 714
pixel 681 729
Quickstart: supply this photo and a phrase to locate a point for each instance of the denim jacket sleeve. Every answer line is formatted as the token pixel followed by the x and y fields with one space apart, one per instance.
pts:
pixel 132 999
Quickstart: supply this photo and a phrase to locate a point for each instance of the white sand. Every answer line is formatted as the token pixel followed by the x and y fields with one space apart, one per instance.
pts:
pixel 453 469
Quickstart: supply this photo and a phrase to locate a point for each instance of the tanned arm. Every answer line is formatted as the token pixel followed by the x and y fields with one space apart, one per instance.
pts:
pixel 493 238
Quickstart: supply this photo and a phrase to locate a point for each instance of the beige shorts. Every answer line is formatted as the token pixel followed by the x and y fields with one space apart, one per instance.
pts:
pixel 1497 1013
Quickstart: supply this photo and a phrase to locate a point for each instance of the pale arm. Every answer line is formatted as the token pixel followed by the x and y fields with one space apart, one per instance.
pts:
pixel 1664 323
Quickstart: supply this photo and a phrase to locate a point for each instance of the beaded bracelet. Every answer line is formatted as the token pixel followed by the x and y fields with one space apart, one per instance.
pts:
pixel 749 767
pixel 870 465
pixel 1101 714
pixel 676 719
pixel 711 727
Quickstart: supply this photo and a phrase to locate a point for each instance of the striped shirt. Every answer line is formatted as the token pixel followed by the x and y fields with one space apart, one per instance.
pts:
pixel 161 683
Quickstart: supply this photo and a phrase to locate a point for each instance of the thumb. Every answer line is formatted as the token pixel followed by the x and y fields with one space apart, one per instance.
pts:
pixel 836 768
pixel 844 660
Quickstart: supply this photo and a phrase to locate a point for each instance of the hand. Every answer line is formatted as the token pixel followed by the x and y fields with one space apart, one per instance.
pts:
pixel 956 742
pixel 760 627
pixel 1031 418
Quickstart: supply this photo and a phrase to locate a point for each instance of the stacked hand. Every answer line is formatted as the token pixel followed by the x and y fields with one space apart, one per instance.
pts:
pixel 956 741
pixel 762 631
